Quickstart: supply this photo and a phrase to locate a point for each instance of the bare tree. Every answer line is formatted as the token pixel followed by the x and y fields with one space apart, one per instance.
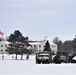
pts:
pixel 56 40
pixel 59 43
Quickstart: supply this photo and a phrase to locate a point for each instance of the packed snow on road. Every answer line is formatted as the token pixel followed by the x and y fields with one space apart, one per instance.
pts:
pixel 28 67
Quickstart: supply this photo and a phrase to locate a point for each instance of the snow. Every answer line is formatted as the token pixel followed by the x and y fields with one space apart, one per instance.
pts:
pixel 5 42
pixel 35 43
pixel 28 67
pixel 74 58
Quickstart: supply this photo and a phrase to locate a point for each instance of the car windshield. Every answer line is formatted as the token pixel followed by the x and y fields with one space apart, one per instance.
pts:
pixel 43 55
pixel 44 52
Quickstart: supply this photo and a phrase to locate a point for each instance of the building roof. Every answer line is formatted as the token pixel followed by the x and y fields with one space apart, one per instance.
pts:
pixel 51 43
pixel 5 42
pixel 37 43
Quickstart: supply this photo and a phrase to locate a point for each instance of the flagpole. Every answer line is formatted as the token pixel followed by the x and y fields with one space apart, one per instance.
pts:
pixel 1 34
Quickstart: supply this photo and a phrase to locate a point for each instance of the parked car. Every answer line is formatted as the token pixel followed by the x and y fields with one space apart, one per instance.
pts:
pixel 61 57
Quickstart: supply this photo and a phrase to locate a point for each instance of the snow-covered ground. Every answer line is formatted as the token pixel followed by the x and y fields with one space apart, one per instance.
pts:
pixel 28 67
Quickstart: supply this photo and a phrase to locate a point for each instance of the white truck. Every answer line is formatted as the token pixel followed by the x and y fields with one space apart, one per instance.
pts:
pixel 43 57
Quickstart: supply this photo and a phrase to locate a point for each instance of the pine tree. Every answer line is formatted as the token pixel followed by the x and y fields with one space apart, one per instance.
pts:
pixel 47 47
pixel 18 44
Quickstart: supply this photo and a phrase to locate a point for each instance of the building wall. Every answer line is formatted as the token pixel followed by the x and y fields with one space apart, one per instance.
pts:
pixel 39 46
pixel 3 46
pixel 53 48
pixel 35 46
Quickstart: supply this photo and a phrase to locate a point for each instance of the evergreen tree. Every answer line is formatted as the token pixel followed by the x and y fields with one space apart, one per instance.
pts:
pixel 47 47
pixel 18 44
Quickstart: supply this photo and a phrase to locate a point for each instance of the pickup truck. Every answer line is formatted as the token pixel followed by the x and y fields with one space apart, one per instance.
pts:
pixel 43 57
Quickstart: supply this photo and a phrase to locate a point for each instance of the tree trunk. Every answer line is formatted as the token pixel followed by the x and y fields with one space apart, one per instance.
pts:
pixel 21 56
pixel 16 56
pixel 2 56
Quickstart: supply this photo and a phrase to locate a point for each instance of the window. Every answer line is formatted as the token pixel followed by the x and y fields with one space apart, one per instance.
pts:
pixel 34 45
pixel 39 45
pixel 53 46
pixel 1 45
pixel 1 50
pixel 39 50
pixel 6 50
pixel 31 50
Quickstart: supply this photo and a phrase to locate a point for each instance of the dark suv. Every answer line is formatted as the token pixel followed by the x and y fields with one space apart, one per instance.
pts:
pixel 43 57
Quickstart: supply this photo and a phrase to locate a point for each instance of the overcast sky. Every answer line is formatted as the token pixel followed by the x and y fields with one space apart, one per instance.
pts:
pixel 39 18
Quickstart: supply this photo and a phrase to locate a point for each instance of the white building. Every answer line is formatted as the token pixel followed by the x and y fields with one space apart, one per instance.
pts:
pixel 39 46
pixel 36 46
pixel 3 46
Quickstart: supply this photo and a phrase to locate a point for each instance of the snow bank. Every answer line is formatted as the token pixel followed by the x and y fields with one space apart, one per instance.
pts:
pixel 28 67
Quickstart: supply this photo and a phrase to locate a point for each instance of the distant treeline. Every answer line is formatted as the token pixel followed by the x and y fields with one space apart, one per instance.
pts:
pixel 68 46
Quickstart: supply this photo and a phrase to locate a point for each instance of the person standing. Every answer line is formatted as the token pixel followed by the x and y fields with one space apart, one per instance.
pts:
pixel 2 56
pixel 27 57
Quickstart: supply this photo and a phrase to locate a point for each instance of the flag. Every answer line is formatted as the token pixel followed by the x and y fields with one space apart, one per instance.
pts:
pixel 1 33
